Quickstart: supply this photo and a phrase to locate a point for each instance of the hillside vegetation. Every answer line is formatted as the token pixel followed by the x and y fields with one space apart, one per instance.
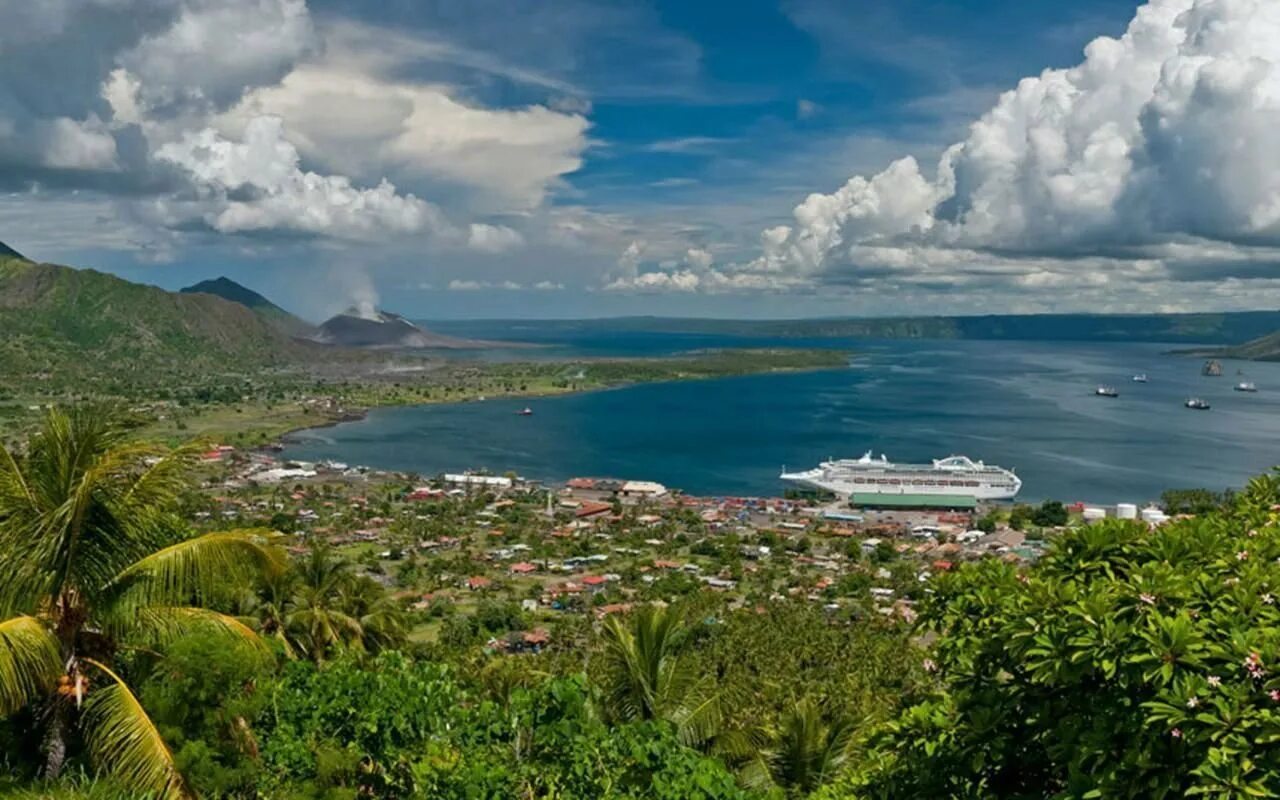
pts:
pixel 276 316
pixel 1264 348
pixel 56 317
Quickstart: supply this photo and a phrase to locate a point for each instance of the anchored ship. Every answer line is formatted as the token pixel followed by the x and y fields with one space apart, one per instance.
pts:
pixel 952 476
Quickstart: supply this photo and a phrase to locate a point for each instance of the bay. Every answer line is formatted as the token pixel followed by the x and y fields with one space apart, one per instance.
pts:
pixel 1024 405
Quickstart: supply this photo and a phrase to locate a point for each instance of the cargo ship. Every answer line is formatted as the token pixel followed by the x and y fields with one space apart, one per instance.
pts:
pixel 951 476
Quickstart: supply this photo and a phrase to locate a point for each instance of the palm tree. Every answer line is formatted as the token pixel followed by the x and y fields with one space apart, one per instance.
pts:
pixel 316 622
pixel 267 608
pixel 383 624
pixel 644 678
pixel 331 609
pixel 94 563
pixel 805 751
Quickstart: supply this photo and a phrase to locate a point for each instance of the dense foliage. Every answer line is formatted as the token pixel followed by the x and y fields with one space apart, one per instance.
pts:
pixel 1127 664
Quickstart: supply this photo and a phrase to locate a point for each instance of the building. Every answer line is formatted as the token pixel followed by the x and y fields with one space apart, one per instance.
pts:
pixel 479 481
pixel 946 501
pixel 642 489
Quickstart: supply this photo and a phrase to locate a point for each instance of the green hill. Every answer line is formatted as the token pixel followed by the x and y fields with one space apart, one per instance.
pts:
pixel 57 321
pixel 1264 348
pixel 228 289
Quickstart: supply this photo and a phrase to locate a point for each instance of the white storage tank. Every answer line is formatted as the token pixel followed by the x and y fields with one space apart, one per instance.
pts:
pixel 1153 515
pixel 1126 511
pixel 1094 514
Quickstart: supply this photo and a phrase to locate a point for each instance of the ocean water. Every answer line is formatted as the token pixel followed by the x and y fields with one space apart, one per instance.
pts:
pixel 1024 405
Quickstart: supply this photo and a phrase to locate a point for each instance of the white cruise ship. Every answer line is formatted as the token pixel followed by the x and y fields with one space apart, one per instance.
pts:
pixel 955 475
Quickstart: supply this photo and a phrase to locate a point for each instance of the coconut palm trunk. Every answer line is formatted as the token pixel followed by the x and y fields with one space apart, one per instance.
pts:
pixel 95 561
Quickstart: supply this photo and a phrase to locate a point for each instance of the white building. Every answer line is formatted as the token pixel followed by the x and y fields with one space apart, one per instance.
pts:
pixel 643 489
pixel 485 481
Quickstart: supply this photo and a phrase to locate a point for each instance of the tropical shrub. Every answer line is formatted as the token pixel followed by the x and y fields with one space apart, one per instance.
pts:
pixel 1127 664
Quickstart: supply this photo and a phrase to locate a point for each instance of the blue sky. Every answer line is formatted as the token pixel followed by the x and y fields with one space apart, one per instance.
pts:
pixel 564 158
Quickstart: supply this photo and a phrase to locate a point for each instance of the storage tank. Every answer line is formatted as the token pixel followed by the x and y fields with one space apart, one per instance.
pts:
pixel 1126 511
pixel 1093 514
pixel 1153 515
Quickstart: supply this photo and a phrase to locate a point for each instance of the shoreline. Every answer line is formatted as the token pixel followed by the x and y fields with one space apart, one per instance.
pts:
pixel 362 413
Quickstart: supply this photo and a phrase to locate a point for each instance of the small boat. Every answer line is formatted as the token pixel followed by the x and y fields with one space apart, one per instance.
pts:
pixel 1246 386
pixel 1140 378
pixel 1212 368
pixel 1197 404
pixel 1106 391
pixel 525 412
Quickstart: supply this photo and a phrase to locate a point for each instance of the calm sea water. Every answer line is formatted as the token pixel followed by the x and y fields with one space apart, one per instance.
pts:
pixel 1024 405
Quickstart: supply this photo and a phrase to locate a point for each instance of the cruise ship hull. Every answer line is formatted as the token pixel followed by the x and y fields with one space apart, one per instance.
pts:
pixel 951 477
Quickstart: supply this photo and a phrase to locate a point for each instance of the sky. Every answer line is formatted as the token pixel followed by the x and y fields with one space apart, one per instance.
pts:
pixel 574 158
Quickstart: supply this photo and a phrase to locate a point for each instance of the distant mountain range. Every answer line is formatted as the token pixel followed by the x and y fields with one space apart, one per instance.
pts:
pixel 53 315
pixel 1227 328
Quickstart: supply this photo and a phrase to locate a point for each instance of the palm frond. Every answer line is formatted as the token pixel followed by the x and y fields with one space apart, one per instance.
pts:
pixel 698 716
pixel 29 662
pixel 199 569
pixel 124 742
pixel 157 626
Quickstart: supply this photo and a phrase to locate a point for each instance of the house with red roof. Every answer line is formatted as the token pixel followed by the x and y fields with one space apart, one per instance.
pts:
pixel 592 509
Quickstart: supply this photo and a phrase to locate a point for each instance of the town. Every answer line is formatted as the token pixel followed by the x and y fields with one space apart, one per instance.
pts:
pixel 453 545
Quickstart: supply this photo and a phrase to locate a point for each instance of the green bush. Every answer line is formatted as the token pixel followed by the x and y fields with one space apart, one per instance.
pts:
pixel 1127 664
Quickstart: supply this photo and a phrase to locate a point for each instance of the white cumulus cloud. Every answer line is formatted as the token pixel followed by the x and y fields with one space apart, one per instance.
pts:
pixel 257 184
pixel 493 238
pixel 1163 135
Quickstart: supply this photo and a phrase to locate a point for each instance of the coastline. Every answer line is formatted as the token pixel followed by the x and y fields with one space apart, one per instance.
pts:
pixel 270 426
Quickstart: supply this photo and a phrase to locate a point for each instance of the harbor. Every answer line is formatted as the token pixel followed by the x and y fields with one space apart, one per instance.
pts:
pixel 1025 406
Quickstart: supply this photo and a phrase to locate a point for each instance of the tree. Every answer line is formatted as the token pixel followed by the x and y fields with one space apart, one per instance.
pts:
pixel 331 609
pixel 315 620
pixel 1126 664
pixel 643 677
pixel 204 697
pixel 1050 514
pixel 95 564
pixel 1019 516
pixel 806 751
pixel 1194 501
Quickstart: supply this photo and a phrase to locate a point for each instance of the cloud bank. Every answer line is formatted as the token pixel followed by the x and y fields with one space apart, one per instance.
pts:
pixel 1154 159
pixel 251 117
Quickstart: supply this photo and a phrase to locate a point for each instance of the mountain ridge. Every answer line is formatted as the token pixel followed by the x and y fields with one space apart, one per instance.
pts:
pixel 60 318
pixel 228 289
